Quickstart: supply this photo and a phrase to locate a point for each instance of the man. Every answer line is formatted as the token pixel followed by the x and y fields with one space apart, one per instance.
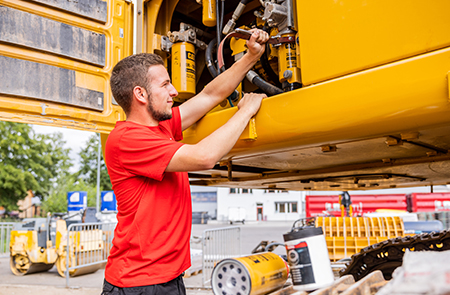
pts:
pixel 148 166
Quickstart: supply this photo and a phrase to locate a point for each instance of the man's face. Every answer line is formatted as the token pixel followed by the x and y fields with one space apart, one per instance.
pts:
pixel 160 94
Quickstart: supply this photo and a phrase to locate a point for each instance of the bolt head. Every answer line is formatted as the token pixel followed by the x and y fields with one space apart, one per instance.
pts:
pixel 287 74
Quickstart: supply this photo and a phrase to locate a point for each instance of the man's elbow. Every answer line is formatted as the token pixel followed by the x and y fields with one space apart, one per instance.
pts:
pixel 207 162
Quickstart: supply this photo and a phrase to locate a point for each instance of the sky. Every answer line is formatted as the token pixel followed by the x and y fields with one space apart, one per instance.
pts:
pixel 75 139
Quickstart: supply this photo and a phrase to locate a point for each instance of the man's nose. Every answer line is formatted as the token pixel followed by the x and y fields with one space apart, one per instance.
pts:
pixel 172 91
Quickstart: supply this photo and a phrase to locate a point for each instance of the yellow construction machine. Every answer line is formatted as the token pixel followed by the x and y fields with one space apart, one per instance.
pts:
pixel 37 244
pixel 358 90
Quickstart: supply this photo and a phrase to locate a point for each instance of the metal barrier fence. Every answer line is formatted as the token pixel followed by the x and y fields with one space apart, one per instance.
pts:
pixel 88 246
pixel 218 244
pixel 443 216
pixel 5 237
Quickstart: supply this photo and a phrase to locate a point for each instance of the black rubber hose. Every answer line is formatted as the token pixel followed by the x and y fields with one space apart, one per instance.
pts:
pixel 267 68
pixel 245 2
pixel 266 87
pixel 265 62
pixel 222 16
pixel 209 58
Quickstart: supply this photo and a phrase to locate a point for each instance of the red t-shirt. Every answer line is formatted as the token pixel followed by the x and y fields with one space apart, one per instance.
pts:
pixel 151 240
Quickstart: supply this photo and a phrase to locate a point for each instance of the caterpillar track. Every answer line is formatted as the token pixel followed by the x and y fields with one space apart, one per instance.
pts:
pixel 388 255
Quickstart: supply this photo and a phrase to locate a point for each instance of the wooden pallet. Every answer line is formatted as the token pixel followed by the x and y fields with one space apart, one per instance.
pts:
pixel 344 286
pixel 188 273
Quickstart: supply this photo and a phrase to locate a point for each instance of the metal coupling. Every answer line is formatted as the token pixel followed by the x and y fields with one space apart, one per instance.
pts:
pixel 251 75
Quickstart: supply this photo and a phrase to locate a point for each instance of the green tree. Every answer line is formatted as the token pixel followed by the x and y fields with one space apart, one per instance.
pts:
pixel 29 161
pixel 57 199
pixel 88 165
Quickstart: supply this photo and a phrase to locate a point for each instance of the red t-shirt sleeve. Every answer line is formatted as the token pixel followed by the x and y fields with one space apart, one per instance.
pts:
pixel 175 124
pixel 147 151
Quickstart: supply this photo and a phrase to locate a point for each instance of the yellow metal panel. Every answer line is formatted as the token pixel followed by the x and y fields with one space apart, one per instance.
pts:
pixel 389 99
pixel 342 37
pixel 22 241
pixel 118 44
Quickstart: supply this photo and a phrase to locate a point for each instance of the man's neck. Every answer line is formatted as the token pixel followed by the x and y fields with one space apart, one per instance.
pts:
pixel 142 119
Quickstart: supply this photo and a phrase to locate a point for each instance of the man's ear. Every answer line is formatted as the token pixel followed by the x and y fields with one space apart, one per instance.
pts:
pixel 139 93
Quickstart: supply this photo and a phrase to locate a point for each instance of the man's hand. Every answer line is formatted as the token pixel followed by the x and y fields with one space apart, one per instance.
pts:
pixel 251 102
pixel 257 42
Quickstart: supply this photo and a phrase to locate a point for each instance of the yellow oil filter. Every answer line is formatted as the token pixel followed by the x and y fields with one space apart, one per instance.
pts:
pixel 287 63
pixel 183 69
pixel 249 275
pixel 209 13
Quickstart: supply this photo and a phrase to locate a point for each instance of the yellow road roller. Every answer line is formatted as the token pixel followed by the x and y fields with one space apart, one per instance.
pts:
pixel 37 244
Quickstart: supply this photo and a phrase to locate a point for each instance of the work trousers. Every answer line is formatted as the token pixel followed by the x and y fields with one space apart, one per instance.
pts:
pixel 173 287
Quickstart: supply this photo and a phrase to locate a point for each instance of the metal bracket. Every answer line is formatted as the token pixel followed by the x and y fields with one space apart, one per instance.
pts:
pixel 229 165
pixel 251 135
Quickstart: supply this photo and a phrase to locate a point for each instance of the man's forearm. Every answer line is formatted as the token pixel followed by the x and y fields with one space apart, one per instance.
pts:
pixel 216 91
pixel 221 141
pixel 224 84
pixel 207 152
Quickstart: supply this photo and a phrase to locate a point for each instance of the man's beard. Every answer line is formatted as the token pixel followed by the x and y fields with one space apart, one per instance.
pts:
pixel 157 115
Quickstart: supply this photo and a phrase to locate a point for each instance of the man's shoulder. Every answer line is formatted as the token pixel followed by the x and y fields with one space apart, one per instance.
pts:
pixel 127 133
pixel 122 128
pixel 125 127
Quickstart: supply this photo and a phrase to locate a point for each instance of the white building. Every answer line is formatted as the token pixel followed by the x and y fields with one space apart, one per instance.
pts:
pixel 204 199
pixel 235 204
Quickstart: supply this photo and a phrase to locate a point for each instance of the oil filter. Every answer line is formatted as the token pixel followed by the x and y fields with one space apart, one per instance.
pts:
pixel 183 69
pixel 308 259
pixel 249 275
pixel 209 13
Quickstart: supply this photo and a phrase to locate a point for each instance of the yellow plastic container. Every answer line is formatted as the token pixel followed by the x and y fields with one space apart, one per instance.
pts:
pixel 346 236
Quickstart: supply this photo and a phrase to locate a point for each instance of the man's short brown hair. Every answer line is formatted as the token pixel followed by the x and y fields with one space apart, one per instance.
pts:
pixel 131 72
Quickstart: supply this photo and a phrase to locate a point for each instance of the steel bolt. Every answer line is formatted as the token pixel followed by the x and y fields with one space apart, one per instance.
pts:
pixel 287 74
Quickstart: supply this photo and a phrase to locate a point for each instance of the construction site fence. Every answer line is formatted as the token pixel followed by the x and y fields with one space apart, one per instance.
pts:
pixel 88 247
pixel 218 244
pixel 443 216
pixel 5 237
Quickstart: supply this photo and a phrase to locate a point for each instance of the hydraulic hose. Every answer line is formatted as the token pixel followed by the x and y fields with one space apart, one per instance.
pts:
pixel 236 14
pixel 266 87
pixel 222 15
pixel 265 62
pixel 218 31
pixel 209 58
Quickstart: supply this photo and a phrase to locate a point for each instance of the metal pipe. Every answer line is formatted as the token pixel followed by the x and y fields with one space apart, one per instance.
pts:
pixel 98 171
pixel 218 29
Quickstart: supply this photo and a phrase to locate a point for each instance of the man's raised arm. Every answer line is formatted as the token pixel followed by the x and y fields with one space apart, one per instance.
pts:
pixel 224 84
pixel 205 154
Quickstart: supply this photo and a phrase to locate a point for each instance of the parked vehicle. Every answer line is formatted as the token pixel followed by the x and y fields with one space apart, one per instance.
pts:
pixel 236 214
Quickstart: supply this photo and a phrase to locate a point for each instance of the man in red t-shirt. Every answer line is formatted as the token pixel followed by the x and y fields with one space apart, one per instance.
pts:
pixel 148 167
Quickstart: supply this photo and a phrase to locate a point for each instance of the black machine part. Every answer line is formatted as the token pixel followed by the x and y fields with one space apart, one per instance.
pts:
pixel 303 233
pixel 268 88
pixel 388 255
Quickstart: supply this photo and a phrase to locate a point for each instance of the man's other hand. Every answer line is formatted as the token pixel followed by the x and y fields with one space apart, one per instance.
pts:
pixel 251 102
pixel 257 42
